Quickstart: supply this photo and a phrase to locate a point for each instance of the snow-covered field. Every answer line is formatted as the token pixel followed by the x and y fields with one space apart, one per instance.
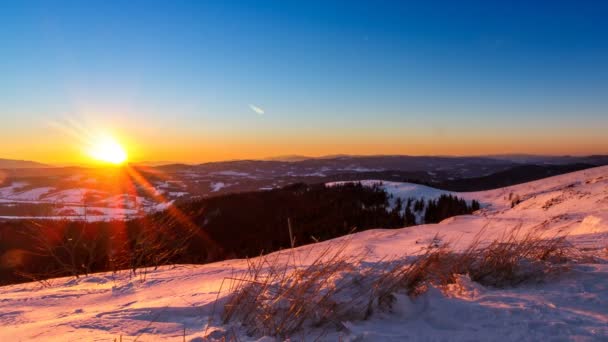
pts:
pixel 178 301
pixel 69 204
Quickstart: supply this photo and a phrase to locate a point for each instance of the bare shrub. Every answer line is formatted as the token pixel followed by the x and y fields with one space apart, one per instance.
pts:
pixel 65 248
pixel 158 240
pixel 74 249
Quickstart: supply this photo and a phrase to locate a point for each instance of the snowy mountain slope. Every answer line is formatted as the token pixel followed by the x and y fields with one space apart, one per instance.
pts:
pixel 179 300
pixel 402 190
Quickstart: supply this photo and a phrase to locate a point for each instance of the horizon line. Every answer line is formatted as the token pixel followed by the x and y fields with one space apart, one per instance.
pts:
pixel 298 158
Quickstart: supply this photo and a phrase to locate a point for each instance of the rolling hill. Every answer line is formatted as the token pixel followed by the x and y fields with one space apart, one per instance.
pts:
pixel 20 164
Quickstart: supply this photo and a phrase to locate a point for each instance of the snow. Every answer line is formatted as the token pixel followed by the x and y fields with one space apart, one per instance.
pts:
pixel 76 213
pixel 592 224
pixel 163 185
pixel 215 187
pixel 44 194
pixel 159 207
pixel 231 173
pixel 7 191
pixel 313 174
pixel 356 168
pixel 75 195
pixel 402 190
pixel 555 311
pixel 69 203
pixel 32 194
pixel 70 196
pixel 180 299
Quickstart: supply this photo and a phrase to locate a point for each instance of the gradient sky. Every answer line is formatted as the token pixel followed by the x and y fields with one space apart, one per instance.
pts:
pixel 197 81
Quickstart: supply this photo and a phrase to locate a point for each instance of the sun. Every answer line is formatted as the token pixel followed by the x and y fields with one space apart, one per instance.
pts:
pixel 108 150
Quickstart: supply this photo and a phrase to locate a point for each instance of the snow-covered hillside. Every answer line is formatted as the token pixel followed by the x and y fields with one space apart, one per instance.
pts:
pixel 69 204
pixel 179 301
pixel 407 192
pixel 402 190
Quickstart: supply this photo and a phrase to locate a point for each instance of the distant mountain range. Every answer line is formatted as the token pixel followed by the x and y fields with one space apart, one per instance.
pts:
pixel 384 162
pixel 20 164
pixel 297 157
pixel 555 160
pixel 515 175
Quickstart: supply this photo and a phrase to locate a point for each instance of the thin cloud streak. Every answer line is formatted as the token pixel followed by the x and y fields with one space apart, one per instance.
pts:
pixel 256 109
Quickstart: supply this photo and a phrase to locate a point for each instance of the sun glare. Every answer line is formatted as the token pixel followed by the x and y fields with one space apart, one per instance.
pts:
pixel 108 150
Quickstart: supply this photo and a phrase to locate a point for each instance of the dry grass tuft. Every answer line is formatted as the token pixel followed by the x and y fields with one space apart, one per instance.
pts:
pixel 509 260
pixel 279 296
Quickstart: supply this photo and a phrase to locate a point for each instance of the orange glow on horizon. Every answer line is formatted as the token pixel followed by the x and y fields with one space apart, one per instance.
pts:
pixel 86 143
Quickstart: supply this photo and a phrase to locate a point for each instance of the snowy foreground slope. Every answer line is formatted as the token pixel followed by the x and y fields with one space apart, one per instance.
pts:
pixel 178 301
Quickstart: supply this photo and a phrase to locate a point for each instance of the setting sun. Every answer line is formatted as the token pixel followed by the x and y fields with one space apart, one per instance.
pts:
pixel 108 150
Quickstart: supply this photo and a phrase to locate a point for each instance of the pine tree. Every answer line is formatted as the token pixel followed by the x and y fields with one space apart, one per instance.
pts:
pixel 475 205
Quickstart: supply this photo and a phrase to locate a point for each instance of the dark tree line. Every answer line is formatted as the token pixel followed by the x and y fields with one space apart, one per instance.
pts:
pixel 447 206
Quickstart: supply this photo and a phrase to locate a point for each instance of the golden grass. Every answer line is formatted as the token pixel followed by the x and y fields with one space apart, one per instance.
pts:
pixel 278 296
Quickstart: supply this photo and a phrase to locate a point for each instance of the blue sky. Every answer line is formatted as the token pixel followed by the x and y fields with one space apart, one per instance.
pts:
pixel 380 77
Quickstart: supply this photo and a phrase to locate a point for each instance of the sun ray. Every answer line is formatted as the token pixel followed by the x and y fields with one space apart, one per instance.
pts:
pixel 172 210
